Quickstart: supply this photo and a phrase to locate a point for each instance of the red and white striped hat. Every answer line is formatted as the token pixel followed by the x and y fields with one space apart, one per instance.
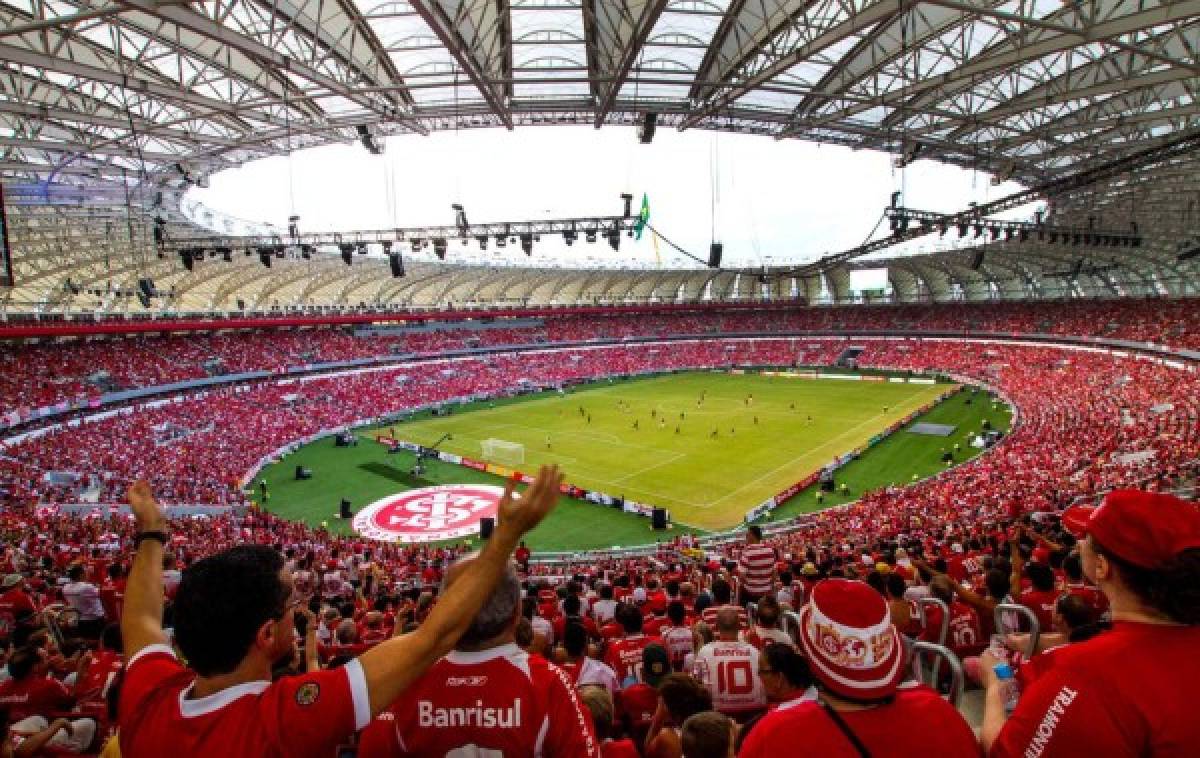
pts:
pixel 851 644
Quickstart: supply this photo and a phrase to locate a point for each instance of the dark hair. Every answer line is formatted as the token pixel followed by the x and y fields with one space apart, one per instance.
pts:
pixel 790 664
pixel 75 572
pixel 524 633
pixel 684 696
pixel 997 583
pixel 755 531
pixel 1073 567
pixel 1041 575
pixel 629 617
pixel 111 638
pixel 768 611
pixel 876 582
pixel 706 735
pixel 606 592
pixel 575 639
pixel 896 586
pixel 223 601
pixel 1172 589
pixel 571 605
pixel 676 612
pixel 721 591
pixel 22 662
pixel 1074 611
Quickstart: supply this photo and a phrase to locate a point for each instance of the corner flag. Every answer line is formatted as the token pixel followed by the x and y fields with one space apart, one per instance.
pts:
pixel 643 217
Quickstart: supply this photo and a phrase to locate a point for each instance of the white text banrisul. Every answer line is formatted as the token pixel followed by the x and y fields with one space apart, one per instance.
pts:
pixel 477 715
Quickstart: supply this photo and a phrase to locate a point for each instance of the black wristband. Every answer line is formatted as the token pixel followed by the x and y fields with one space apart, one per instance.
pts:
pixel 155 535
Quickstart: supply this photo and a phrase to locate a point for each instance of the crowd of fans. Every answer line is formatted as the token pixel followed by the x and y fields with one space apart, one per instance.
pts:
pixel 45 374
pixel 796 642
pixel 675 655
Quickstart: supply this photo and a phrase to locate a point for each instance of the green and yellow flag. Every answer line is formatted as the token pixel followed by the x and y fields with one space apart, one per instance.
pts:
pixel 643 217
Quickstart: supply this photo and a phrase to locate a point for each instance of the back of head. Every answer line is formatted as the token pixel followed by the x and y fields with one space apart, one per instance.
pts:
pixel 997 583
pixel 684 696
pixel 676 612
pixel 768 612
pixel 571 605
pixel 22 663
pixel 575 640
pixel 727 622
pixel 1172 588
pixel 1073 567
pixel 721 591
pixel 707 735
pixel 347 632
pixel 222 602
pixel 790 664
pixel 75 573
pixel 499 612
pixel 942 588
pixel 896 586
pixel 1041 575
pixel 1074 611
pixel 599 703
pixel 629 617
pixel 754 533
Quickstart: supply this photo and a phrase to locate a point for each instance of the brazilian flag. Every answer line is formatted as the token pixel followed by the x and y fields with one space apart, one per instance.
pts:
pixel 643 217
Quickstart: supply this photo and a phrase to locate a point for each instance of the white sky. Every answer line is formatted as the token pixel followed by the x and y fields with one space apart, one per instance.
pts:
pixel 776 201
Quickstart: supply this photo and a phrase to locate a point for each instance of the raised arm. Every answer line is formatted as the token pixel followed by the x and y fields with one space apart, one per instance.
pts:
pixel 141 617
pixel 392 666
pixel 1018 564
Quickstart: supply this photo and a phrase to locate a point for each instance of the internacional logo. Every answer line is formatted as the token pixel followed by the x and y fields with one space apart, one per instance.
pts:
pixel 429 514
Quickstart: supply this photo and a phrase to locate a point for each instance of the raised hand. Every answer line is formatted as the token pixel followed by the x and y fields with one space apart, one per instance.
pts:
pixel 146 512
pixel 522 513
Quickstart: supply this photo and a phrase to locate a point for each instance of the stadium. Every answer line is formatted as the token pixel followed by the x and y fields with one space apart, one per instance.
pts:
pixel 660 378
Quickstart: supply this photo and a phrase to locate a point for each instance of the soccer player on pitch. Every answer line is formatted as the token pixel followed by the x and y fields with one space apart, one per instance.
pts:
pixel 234 616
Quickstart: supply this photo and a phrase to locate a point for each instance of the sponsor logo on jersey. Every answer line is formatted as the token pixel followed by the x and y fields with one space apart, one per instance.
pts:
pixel 429 514
pixel 478 715
pixel 308 693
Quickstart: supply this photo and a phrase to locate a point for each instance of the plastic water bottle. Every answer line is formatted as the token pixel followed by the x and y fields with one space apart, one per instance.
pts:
pixel 1009 689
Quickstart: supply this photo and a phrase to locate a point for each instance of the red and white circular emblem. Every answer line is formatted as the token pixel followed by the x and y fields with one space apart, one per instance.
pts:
pixel 429 514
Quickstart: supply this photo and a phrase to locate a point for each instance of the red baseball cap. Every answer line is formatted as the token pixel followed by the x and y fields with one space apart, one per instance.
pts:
pixel 1146 529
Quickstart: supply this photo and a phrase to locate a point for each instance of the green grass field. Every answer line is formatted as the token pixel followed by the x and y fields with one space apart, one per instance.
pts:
pixel 707 483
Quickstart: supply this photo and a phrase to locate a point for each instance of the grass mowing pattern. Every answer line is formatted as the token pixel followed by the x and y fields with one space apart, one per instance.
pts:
pixel 698 474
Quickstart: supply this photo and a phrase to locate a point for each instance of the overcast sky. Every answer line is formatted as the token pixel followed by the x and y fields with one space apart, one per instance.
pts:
pixel 775 201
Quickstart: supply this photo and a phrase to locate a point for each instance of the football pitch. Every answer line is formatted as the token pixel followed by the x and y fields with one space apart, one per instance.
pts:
pixel 706 445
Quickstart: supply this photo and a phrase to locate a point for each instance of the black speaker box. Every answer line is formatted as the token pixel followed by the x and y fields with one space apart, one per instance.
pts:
pixel 487 525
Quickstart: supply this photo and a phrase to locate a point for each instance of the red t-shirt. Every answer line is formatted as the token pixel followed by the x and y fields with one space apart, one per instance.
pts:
pixel 306 715
pixel 1125 692
pixel 32 696
pixel 917 723
pixel 624 656
pixel 496 702
pixel 619 749
pixel 99 676
pixel 1042 603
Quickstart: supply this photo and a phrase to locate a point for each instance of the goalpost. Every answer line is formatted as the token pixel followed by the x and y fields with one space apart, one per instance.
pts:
pixel 503 451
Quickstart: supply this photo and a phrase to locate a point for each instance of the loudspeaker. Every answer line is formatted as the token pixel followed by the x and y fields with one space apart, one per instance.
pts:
pixel 977 261
pixel 714 254
pixel 487 525
pixel 344 509
pixel 658 518
pixel 647 127
pixel 397 264
pixel 146 286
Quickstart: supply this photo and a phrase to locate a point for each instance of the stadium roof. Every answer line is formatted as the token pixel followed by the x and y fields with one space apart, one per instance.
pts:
pixel 110 110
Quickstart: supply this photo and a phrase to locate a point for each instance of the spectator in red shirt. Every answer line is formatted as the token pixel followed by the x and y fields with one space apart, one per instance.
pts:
pixel 16 606
pixel 31 691
pixel 857 658
pixel 1042 596
pixel 624 654
pixel 599 703
pixel 487 696
pixel 1124 692
pixel 234 620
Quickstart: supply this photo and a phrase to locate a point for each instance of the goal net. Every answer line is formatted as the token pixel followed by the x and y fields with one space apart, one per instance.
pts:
pixel 503 451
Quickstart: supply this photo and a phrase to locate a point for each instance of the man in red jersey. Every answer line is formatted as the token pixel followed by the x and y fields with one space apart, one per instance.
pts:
pixel 964 634
pixel 677 636
pixel 756 567
pixel 1042 596
pixel 624 654
pixel 487 697
pixel 857 658
pixel 1125 691
pixel 234 621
